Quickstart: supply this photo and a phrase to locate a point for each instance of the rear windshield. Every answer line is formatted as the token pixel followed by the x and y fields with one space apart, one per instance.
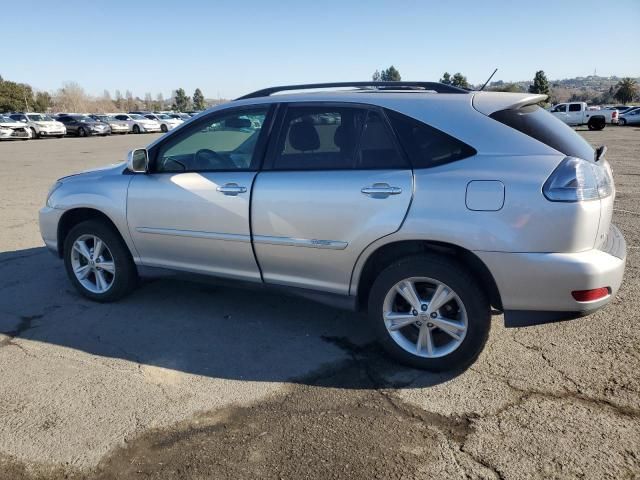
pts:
pixel 546 128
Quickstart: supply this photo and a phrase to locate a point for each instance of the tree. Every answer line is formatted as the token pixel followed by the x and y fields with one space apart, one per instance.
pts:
pixel 181 101
pixel 42 102
pixel 459 80
pixel 627 90
pixel 129 103
pixel 148 101
pixel 540 84
pixel 505 87
pixel 391 74
pixel 15 96
pixel 377 76
pixel 198 100
pixel 71 98
pixel 159 103
pixel 118 100
pixel 446 78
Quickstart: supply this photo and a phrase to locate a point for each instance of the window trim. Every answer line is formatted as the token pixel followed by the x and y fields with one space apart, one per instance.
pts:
pixel 279 130
pixel 259 151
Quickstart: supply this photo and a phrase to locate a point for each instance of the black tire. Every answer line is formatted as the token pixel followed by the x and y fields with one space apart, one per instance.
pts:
pixel 596 124
pixel 622 122
pixel 82 132
pixel 451 273
pixel 126 274
pixel 164 128
pixel 60 136
pixel 136 129
pixel 34 134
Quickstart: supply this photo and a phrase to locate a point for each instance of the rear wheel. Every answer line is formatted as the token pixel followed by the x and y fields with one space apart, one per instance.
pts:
pixel 82 132
pixel 34 134
pixel 622 122
pixel 164 128
pixel 596 124
pixel 98 262
pixel 429 313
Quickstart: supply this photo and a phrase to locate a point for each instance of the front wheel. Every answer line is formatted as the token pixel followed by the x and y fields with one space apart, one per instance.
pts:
pixel 98 262
pixel 622 122
pixel 34 134
pixel 429 313
pixel 82 132
pixel 164 128
pixel 136 129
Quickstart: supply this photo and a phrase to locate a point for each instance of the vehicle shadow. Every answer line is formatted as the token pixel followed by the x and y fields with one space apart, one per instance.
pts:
pixel 200 329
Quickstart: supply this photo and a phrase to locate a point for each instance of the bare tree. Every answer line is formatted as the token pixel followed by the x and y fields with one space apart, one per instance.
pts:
pixel 148 101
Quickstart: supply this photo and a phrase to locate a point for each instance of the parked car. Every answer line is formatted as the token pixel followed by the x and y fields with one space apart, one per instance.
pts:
pixel 427 209
pixel 630 117
pixel 577 113
pixel 116 125
pixel 622 108
pixel 40 124
pixel 12 130
pixel 179 116
pixel 83 125
pixel 138 124
pixel 166 122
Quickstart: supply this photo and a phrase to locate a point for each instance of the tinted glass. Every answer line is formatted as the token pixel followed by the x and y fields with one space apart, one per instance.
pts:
pixel 427 146
pixel 544 127
pixel 559 108
pixel 224 142
pixel 335 138
pixel 575 107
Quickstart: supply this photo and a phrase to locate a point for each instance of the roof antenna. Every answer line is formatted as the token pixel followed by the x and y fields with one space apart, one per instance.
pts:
pixel 488 80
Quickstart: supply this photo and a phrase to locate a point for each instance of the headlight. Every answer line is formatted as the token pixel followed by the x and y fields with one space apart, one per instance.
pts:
pixel 53 188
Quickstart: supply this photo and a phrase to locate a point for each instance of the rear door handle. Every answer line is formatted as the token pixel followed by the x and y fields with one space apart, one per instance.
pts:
pixel 381 190
pixel 231 189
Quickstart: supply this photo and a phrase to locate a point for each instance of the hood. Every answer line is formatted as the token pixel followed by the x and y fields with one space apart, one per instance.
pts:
pixel 12 124
pixel 113 169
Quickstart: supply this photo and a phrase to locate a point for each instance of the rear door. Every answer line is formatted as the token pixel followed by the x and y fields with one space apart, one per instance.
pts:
pixel 575 114
pixel 335 181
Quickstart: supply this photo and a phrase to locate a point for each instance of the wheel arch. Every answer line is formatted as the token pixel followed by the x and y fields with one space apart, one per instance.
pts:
pixel 386 254
pixel 74 216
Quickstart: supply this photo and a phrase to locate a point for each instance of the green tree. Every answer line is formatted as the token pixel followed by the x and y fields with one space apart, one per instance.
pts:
pixel 459 80
pixel 627 90
pixel 446 78
pixel 42 102
pixel 505 87
pixel 391 74
pixel 181 101
pixel 540 84
pixel 377 76
pixel 15 96
pixel 198 100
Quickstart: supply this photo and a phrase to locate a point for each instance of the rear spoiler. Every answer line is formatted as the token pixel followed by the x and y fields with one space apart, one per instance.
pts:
pixel 490 102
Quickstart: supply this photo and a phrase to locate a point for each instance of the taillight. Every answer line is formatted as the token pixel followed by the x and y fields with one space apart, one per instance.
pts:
pixel 590 295
pixel 614 114
pixel 576 180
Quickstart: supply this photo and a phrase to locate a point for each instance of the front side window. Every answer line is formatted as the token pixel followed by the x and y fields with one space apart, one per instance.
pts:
pixel 575 107
pixel 427 146
pixel 335 138
pixel 559 109
pixel 226 141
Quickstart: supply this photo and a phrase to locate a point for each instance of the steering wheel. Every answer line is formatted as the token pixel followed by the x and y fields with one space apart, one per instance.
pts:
pixel 206 159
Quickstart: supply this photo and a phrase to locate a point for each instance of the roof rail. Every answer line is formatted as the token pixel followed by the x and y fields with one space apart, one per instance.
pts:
pixel 432 86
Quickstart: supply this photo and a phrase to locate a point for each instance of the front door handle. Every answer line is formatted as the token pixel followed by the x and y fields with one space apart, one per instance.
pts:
pixel 381 190
pixel 231 189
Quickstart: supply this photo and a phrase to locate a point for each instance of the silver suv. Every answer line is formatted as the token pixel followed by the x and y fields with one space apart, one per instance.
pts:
pixel 426 205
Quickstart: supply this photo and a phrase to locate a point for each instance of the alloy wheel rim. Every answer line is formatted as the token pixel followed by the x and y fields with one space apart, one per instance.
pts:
pixel 93 263
pixel 425 317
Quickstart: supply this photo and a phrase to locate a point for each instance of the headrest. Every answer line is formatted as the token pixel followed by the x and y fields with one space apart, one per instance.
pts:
pixel 304 137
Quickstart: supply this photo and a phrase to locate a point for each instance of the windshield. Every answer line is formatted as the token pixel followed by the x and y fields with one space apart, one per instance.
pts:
pixel 5 119
pixel 163 116
pixel 39 118
pixel 136 116
pixel 83 119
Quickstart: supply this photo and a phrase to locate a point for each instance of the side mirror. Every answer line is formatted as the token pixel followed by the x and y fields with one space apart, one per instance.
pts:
pixel 138 160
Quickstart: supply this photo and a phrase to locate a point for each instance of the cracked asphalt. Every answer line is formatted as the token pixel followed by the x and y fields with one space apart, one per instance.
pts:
pixel 185 380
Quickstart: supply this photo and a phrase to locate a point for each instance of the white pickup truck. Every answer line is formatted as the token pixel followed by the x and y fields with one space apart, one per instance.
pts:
pixel 578 113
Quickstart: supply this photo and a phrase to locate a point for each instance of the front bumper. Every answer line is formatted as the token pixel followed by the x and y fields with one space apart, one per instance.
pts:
pixel 51 133
pixel 49 218
pixel 149 129
pixel 540 284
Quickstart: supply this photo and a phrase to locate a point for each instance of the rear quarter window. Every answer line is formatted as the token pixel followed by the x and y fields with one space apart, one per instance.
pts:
pixel 427 146
pixel 546 128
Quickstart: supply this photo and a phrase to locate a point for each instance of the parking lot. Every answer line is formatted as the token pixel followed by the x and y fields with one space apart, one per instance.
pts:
pixel 195 380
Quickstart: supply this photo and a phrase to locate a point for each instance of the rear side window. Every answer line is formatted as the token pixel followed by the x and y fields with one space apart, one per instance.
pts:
pixel 575 107
pixel 336 138
pixel 427 146
pixel 546 128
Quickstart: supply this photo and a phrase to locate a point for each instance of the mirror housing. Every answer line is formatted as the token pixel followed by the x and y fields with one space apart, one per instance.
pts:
pixel 138 160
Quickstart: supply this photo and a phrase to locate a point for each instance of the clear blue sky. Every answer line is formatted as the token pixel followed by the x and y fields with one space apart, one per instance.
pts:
pixel 232 47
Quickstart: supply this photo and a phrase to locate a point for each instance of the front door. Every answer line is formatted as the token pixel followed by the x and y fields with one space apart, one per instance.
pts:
pixel 191 212
pixel 334 182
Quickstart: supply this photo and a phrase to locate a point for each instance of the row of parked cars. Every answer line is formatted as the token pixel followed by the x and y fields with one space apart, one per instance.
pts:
pixel 596 118
pixel 19 125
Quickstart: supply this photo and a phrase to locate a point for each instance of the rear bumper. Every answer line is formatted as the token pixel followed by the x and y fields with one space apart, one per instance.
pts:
pixel 540 284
